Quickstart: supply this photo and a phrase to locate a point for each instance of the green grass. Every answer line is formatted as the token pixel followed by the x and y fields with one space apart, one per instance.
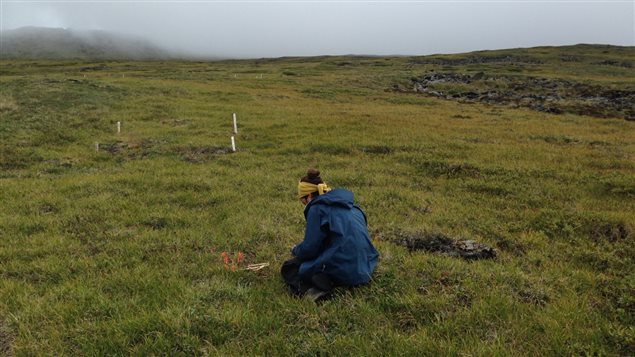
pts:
pixel 118 251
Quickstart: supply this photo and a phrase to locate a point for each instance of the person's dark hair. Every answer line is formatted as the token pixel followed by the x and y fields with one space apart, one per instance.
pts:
pixel 312 176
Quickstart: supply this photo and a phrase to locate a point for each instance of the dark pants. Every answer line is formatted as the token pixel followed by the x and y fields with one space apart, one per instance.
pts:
pixel 297 285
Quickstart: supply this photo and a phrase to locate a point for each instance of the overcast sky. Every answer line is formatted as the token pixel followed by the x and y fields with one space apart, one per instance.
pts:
pixel 306 28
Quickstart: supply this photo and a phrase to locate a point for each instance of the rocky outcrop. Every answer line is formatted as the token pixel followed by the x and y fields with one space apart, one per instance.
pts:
pixel 542 94
pixel 477 60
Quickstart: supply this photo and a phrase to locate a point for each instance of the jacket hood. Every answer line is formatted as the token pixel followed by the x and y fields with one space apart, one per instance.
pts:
pixel 337 197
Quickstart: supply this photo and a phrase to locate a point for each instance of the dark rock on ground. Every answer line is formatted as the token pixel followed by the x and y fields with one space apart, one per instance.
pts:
pixel 477 60
pixel 101 67
pixel 625 64
pixel 440 243
pixel 611 232
pixel 569 58
pixel 113 148
pixel 547 95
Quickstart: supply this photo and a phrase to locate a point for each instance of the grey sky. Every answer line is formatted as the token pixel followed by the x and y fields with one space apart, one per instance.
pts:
pixel 285 28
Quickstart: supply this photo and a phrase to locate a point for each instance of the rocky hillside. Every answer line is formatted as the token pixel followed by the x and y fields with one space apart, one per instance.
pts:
pixel 592 80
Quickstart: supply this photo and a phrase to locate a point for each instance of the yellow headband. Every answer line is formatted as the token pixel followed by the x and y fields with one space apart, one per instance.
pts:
pixel 305 188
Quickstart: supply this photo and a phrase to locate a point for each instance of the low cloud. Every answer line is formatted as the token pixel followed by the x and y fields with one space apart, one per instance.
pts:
pixel 273 29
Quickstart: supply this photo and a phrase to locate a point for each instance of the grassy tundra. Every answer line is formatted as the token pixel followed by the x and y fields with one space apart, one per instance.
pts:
pixel 117 251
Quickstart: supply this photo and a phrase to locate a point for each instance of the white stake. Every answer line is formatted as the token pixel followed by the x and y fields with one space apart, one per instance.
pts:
pixel 96 146
pixel 235 125
pixel 118 127
pixel 233 145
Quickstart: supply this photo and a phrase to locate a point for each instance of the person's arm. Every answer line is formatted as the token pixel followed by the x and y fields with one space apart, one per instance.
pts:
pixel 316 232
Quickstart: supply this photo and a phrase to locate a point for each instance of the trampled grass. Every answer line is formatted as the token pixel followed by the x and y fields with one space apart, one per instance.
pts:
pixel 117 251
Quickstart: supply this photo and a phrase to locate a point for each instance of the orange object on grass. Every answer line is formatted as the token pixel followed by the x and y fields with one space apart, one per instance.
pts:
pixel 225 257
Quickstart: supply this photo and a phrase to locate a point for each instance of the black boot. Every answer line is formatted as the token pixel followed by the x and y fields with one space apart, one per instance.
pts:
pixel 316 295
pixel 323 282
pixel 289 271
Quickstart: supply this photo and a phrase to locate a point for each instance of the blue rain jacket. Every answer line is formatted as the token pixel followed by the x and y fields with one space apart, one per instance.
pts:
pixel 336 241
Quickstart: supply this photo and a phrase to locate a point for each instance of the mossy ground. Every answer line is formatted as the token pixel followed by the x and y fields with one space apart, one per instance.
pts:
pixel 117 251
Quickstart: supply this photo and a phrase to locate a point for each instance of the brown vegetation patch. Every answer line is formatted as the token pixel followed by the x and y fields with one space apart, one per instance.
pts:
pixel 149 147
pixel 114 148
pixel 198 154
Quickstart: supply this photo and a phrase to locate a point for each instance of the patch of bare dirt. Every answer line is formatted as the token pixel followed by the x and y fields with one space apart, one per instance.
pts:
pixel 6 340
pixel 198 154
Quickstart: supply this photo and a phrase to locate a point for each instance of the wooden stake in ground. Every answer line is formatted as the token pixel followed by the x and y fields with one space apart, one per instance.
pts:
pixel 233 145
pixel 118 127
pixel 235 124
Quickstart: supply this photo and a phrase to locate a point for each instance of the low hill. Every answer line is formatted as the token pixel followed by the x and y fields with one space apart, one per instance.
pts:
pixel 59 43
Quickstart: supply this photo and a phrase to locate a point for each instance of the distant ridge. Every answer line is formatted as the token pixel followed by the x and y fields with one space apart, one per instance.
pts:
pixel 59 43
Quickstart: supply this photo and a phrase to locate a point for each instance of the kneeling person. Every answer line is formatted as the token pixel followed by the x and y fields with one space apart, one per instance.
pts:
pixel 336 250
